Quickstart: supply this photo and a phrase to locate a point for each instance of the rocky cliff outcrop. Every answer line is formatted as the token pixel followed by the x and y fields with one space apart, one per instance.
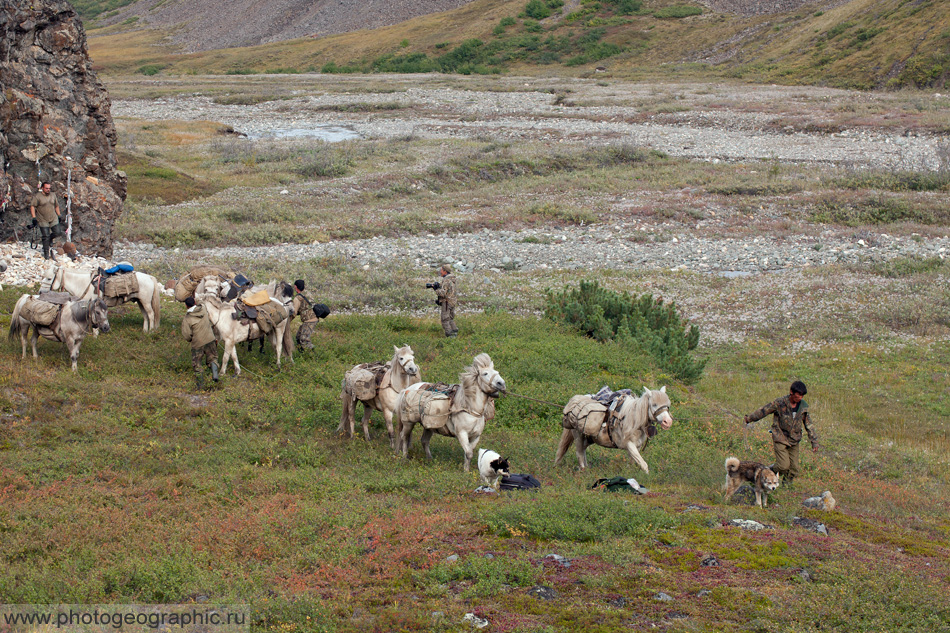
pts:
pixel 55 121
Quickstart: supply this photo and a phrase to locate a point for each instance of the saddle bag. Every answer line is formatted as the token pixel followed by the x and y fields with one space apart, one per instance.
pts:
pixel 519 482
pixel 361 383
pixel 269 316
pixel 586 415
pixel 121 285
pixel 430 408
pixel 40 312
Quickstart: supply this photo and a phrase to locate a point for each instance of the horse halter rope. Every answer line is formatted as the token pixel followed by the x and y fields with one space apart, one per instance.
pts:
pixel 653 416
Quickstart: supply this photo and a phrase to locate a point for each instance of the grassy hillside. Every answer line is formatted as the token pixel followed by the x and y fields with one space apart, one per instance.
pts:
pixel 863 44
pixel 122 484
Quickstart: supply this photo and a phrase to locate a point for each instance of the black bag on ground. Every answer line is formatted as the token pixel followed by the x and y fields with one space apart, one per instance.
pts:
pixel 321 310
pixel 519 482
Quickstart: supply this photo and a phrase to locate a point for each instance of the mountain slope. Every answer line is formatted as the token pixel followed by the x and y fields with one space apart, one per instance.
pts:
pixel 201 25
pixel 857 43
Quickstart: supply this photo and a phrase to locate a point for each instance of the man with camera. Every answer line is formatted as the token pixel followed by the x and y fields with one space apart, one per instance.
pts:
pixel 44 207
pixel 447 299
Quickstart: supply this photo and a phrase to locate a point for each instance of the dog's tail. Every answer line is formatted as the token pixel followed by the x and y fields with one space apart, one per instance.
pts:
pixel 732 464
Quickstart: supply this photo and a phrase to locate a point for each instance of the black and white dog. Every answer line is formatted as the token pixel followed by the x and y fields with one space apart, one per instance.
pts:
pixel 491 467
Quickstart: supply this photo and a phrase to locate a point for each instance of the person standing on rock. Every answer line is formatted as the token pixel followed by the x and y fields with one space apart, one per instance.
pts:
pixel 44 208
pixel 447 298
pixel 790 414
pixel 308 319
pixel 198 330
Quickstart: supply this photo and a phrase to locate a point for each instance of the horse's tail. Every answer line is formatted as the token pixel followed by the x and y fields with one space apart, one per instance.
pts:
pixel 732 464
pixel 15 319
pixel 156 304
pixel 567 438
pixel 349 404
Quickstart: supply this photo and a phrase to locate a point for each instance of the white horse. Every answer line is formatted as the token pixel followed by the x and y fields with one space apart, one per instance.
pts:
pixel 80 284
pixel 231 331
pixel 587 422
pixel 397 374
pixel 76 319
pixel 461 416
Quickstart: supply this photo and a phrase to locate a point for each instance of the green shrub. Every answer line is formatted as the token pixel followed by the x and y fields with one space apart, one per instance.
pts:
pixel 507 21
pixel 150 69
pixel 333 68
pixel 537 9
pixel 586 518
pixel 489 575
pixel 641 322
pixel 677 11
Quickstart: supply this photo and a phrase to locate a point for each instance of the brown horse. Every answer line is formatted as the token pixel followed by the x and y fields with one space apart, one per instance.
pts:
pixel 400 372
pixel 630 427
pixel 76 319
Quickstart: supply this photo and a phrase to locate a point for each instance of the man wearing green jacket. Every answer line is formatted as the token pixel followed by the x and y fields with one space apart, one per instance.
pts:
pixel 198 330
pixel 790 415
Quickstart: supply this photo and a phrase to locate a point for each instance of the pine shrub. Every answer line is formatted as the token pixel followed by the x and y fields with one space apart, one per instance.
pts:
pixel 643 322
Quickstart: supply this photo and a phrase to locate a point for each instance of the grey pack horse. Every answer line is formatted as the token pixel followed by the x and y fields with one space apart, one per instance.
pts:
pixel 629 430
pixel 401 372
pixel 464 416
pixel 76 320
pixel 79 283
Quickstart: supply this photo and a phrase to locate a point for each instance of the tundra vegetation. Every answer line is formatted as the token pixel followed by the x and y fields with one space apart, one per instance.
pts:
pixel 118 484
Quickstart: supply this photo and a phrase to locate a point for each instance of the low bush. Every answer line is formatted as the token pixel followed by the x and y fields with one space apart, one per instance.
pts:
pixel 593 516
pixel 640 322
pixel 677 11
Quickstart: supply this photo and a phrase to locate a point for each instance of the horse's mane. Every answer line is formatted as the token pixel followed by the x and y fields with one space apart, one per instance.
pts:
pixel 468 381
pixel 636 411
pixel 80 309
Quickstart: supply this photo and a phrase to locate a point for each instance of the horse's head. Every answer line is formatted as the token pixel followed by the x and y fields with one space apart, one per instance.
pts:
pixel 659 407
pixel 99 315
pixel 406 359
pixel 488 379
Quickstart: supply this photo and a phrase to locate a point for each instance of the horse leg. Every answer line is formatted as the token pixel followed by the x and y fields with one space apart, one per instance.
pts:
pixel 567 438
pixel 367 414
pixel 405 437
pixel 636 457
pixel 388 417
pixel 34 336
pixel 346 416
pixel 426 436
pixel 73 346
pixel 466 448
pixel 278 346
pixel 580 447
pixel 146 320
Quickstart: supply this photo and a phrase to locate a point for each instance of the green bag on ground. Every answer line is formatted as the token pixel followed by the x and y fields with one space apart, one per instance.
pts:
pixel 619 484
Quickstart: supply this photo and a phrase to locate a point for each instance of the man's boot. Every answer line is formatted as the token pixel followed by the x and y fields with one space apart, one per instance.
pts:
pixel 214 371
pixel 45 247
pixel 199 382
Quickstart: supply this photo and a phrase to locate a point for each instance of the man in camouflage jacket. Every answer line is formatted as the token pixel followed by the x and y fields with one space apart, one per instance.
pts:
pixel 790 415
pixel 308 320
pixel 445 291
pixel 198 330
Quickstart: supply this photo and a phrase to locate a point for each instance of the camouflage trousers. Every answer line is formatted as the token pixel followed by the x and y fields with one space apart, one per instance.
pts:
pixel 208 353
pixel 304 334
pixel 786 460
pixel 448 320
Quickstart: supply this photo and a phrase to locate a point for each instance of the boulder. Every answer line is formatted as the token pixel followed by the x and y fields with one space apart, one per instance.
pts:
pixel 55 115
